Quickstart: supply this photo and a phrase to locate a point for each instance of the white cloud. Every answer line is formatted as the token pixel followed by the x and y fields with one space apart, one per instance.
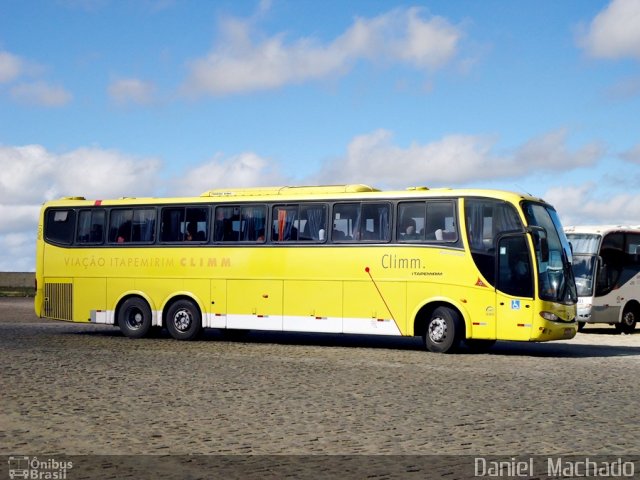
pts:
pixel 244 170
pixel 40 93
pixel 18 251
pixel 132 90
pixel 550 151
pixel 614 32
pixel 587 205
pixel 31 175
pixel 453 160
pixel 238 63
pixel 18 218
pixel 11 67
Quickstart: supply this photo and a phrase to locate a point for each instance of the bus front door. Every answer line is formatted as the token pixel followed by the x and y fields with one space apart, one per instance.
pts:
pixel 514 288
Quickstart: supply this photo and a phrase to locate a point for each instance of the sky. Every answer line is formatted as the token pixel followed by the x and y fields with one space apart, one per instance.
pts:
pixel 111 98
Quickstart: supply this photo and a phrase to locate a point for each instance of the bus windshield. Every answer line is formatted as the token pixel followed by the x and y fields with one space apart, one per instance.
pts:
pixel 584 267
pixel 585 248
pixel 555 276
pixel 586 243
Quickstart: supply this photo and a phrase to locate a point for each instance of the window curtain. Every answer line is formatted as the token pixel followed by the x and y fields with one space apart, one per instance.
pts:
pixel 315 221
pixel 252 223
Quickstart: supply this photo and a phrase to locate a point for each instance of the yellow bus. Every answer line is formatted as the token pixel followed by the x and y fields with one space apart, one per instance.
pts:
pixel 450 266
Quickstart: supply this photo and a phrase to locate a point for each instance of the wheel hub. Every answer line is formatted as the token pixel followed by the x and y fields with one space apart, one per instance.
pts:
pixel 134 319
pixel 182 320
pixel 437 330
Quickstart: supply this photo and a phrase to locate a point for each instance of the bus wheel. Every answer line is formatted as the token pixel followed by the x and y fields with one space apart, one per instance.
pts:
pixel 581 326
pixel 443 331
pixel 629 320
pixel 184 320
pixel 134 318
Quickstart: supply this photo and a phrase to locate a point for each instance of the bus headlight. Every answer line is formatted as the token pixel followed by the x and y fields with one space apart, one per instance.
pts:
pixel 552 317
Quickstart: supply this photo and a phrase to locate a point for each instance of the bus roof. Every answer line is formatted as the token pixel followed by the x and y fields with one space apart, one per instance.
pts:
pixel 601 229
pixel 296 193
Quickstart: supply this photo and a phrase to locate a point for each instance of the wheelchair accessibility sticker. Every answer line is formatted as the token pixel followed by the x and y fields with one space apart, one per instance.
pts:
pixel 515 304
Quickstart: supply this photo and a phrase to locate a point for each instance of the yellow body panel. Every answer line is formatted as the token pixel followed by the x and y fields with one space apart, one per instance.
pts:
pixel 92 296
pixel 317 299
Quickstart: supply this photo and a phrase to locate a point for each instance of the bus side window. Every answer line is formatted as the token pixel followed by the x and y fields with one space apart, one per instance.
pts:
pixel 313 223
pixel 240 224
pixel 132 225
pixel 411 222
pixel 441 222
pixel 375 222
pixel 59 226
pixel 120 222
pixel 91 226
pixel 285 223
pixel 344 220
pixel 361 222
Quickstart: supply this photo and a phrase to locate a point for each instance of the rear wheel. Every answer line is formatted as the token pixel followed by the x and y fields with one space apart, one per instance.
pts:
pixel 444 330
pixel 184 321
pixel 134 318
pixel 629 320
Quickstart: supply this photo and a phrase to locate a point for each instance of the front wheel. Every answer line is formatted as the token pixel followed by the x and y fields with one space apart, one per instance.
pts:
pixel 628 321
pixel 444 330
pixel 134 318
pixel 184 321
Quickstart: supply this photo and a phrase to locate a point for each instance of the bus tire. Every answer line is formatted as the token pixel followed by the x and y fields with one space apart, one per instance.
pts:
pixel 629 319
pixel 444 330
pixel 134 318
pixel 184 321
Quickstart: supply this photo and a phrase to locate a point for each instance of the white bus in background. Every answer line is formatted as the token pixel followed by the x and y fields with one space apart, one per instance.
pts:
pixel 606 266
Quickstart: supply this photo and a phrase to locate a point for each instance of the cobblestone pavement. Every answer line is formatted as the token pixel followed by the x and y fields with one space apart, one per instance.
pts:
pixel 78 389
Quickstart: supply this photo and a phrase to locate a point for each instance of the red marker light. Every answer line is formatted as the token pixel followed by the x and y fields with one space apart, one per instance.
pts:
pixel 366 269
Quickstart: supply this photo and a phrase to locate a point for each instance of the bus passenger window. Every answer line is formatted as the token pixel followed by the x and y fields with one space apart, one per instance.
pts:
pixel 285 223
pixel 441 222
pixel 132 225
pixel 120 222
pixel 361 222
pixel 59 226
pixel 184 224
pixel 299 223
pixel 313 223
pixel 411 222
pixel 240 223
pixel 91 226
